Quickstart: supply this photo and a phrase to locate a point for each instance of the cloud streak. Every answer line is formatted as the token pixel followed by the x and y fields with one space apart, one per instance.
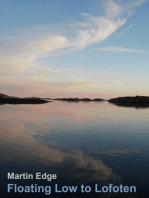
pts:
pixel 56 86
pixel 120 49
pixel 130 26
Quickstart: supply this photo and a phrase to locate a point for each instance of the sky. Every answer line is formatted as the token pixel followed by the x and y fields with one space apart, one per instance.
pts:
pixel 72 48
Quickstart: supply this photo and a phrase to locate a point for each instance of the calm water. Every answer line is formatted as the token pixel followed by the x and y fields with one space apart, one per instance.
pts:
pixel 82 143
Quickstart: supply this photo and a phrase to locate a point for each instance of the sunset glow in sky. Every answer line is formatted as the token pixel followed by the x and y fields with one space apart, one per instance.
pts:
pixel 72 48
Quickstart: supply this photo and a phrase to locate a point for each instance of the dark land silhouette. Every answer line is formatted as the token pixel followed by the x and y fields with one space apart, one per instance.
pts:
pixel 5 99
pixel 78 99
pixel 137 101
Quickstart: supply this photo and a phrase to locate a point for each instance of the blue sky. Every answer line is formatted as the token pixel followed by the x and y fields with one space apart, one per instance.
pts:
pixel 74 48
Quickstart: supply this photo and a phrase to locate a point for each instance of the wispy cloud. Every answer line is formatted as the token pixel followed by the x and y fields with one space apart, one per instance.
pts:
pixel 18 55
pixel 120 49
pixel 31 86
pixel 112 9
pixel 130 26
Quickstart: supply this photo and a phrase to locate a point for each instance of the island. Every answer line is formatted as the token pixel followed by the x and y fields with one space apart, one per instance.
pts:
pixel 5 99
pixel 79 99
pixel 136 101
pixel 129 101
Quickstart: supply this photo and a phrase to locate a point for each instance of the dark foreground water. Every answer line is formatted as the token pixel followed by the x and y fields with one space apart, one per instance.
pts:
pixel 99 149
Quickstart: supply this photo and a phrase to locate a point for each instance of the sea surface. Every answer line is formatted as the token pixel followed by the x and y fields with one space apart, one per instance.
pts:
pixel 88 144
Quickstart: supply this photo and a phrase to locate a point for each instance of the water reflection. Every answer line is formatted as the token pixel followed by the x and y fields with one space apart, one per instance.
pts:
pixel 82 143
pixel 20 144
pixel 130 105
pixel 117 152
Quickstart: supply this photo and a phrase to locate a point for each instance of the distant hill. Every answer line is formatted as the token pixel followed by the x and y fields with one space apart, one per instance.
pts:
pixel 4 96
pixel 128 99
pixel 5 99
pixel 78 99
pixel 137 101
